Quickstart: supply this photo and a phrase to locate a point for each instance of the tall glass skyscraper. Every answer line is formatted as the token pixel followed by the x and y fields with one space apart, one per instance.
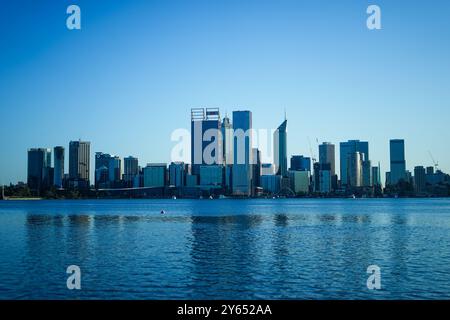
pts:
pixel 348 148
pixel 206 138
pixel 58 164
pixel 327 155
pixel 398 162
pixel 280 149
pixel 227 140
pixel 354 169
pixel 242 153
pixel 79 163
pixel 131 170
pixel 39 164
pixel 108 170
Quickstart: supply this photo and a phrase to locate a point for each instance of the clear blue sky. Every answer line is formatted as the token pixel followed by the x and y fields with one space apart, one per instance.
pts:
pixel 130 76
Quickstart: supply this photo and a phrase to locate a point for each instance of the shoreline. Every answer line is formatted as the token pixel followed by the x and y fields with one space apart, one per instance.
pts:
pixel 228 198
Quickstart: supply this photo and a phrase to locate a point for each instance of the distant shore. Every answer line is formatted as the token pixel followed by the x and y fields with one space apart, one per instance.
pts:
pixel 226 198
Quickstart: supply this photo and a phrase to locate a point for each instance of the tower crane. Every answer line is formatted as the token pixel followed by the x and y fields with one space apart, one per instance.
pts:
pixel 435 164
pixel 313 158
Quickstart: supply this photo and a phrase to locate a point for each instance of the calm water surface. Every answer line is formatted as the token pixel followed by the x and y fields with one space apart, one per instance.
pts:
pixel 225 249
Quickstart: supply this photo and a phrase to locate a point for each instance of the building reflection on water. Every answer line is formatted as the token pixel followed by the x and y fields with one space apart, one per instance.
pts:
pixel 316 251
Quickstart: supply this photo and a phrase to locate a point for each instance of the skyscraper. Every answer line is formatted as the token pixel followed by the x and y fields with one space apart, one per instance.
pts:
pixel 256 167
pixel 39 164
pixel 242 153
pixel 398 163
pixel 107 170
pixel 347 148
pixel 327 155
pixel 300 163
pixel 354 168
pixel 79 163
pixel 227 140
pixel 177 174
pixel 367 173
pixel 206 138
pixel 280 149
pixel 155 175
pixel 58 164
pixel 131 170
pixel 376 176
pixel 420 179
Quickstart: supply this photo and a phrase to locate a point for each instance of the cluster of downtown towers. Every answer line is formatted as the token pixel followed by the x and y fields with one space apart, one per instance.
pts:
pixel 236 168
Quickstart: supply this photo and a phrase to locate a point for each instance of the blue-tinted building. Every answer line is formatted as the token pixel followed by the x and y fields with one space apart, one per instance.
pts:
pixel 155 175
pixel 271 183
pixel 177 174
pixel 39 165
pixel 242 153
pixel 397 161
pixel 280 149
pixel 300 163
pixel 227 140
pixel 131 171
pixel 348 148
pixel 206 138
pixel 107 170
pixel 58 165
pixel 211 175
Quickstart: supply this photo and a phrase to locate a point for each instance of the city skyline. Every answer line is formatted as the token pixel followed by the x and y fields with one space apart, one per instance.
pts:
pixel 322 150
pixel 203 120
pixel 336 79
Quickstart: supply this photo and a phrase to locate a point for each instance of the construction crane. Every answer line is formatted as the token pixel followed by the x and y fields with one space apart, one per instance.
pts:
pixel 313 158
pixel 435 164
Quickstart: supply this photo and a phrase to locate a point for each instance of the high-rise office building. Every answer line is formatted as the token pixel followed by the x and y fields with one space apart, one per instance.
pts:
pixel 280 149
pixel 367 173
pixel 177 174
pixel 327 155
pixel 300 181
pixel 348 148
pixel 376 176
pixel 155 175
pixel 58 165
pixel 211 175
pixel 79 163
pixel 316 176
pixel 420 179
pixel 354 168
pixel 39 164
pixel 300 163
pixel 227 140
pixel 242 153
pixel 397 161
pixel 206 138
pixel 271 184
pixel 325 181
pixel 256 167
pixel 322 177
pixel 131 170
pixel 107 170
